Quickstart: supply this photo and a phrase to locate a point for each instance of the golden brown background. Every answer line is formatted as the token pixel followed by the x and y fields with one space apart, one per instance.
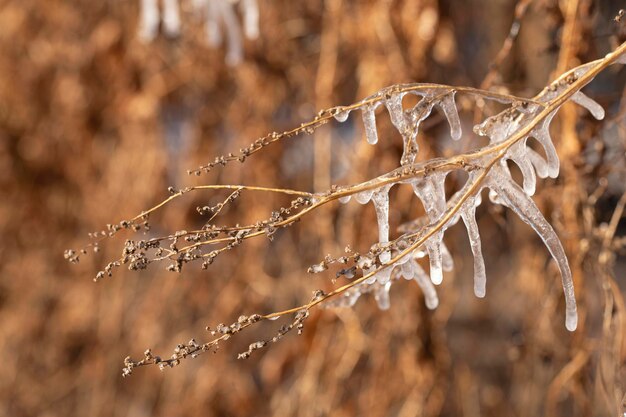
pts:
pixel 95 125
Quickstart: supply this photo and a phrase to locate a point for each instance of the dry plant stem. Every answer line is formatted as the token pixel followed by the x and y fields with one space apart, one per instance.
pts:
pixel 473 161
pixel 327 115
pixel 500 149
pixel 219 187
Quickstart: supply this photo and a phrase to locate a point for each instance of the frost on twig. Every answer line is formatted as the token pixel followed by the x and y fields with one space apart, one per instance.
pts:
pixel 391 257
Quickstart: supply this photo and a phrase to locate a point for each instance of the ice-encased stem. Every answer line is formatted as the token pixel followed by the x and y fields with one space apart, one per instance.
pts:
pixel 514 197
pixel 448 106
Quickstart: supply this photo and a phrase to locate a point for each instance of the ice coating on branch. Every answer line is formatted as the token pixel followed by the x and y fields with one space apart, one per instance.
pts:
pixel 414 117
pixel 345 199
pixel 506 124
pixel 407 122
pixel 514 198
pixel 369 123
pixel 501 126
pixel 364 196
pixel 448 106
pixel 341 115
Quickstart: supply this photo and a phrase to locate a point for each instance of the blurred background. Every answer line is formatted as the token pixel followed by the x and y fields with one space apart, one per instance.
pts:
pixel 103 107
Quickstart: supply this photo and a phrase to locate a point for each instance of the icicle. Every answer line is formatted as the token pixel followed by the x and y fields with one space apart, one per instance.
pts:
pixel 430 293
pixel 494 197
pixel 435 259
pixel 341 115
pixel 396 112
pixel 538 162
pixel 171 17
pixel 149 20
pixel 431 192
pixel 447 262
pixel 448 106
pixel 384 275
pixel 406 270
pixel 519 155
pixel 364 196
pixel 381 295
pixel 594 108
pixel 542 134
pixel 468 214
pixel 250 10
pixel 369 123
pixel 528 174
pixel 380 199
pixel 514 198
